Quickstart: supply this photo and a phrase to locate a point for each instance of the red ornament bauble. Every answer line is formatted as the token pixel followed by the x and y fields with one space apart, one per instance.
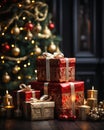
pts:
pixel 29 26
pixel 51 26
pixel 5 47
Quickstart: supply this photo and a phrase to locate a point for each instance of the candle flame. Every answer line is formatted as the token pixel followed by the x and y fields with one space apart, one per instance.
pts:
pixel 92 87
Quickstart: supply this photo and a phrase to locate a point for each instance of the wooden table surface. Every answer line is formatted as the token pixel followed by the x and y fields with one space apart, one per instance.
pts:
pixel 16 124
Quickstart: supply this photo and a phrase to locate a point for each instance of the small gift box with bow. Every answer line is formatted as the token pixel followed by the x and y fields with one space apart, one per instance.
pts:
pixel 24 94
pixel 42 109
pixel 55 67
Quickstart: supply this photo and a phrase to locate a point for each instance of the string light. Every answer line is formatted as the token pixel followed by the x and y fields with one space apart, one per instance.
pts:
pixel 2 57
pixel 32 53
pixel 26 38
pixel 19 5
pixel 5 28
pixel 19 77
pixel 33 1
pixel 18 62
pixel 28 63
pixel 21 28
pixel 25 65
pixel 33 42
pixel 3 34
pixel 3 61
pixel 12 45
pixel 24 18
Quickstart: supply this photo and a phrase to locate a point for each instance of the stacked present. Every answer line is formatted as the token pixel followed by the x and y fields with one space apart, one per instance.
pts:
pixel 31 105
pixel 56 78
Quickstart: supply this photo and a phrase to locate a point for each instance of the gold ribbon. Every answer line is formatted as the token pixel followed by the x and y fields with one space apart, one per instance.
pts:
pixel 72 96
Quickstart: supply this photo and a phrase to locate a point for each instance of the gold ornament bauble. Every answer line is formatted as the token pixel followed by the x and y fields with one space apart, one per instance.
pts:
pixel 15 30
pixel 27 1
pixel 15 51
pixel 37 50
pixel 52 47
pixel 47 32
pixel 6 78
pixel 29 35
pixel 15 69
pixel 38 27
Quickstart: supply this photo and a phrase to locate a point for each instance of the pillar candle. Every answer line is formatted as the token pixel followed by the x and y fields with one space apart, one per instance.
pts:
pixel 92 93
pixel 83 111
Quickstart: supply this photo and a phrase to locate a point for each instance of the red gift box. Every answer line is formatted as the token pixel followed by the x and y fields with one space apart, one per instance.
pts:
pixel 56 69
pixel 24 95
pixel 67 96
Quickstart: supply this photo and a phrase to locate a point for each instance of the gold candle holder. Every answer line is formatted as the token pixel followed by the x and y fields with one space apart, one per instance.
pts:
pixel 8 101
pixel 92 93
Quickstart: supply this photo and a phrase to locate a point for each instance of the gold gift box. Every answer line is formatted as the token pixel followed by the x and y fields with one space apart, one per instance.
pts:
pixel 39 110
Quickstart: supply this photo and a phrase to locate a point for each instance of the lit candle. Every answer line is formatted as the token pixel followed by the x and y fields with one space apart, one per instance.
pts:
pixel 92 96
pixel 92 93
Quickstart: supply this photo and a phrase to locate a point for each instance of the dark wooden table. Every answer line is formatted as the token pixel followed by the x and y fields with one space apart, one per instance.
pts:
pixel 16 124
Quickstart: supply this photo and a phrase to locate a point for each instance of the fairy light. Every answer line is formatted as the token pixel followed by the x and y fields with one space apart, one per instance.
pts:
pixel 5 28
pixel 25 65
pixel 3 34
pixel 19 68
pixel 12 45
pixel 23 18
pixel 18 62
pixel 19 77
pixel 2 57
pixel 33 1
pixel 32 53
pixel 26 38
pixel 33 42
pixel 19 5
pixel 3 61
pixel 21 28
pixel 28 63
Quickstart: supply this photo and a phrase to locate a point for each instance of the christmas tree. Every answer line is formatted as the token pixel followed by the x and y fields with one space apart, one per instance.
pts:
pixel 26 30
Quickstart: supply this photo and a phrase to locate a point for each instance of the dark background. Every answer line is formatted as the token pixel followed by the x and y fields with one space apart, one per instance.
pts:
pixel 89 65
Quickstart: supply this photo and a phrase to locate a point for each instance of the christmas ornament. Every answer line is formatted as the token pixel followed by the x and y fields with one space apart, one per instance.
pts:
pixel 15 69
pixel 15 51
pixel 27 1
pixel 29 26
pixel 37 50
pixel 38 27
pixel 29 35
pixel 51 26
pixel 6 78
pixel 52 47
pixel 15 30
pixel 5 47
pixel 47 32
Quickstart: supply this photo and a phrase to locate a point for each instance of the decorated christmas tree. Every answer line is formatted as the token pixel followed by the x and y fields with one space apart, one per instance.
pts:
pixel 26 30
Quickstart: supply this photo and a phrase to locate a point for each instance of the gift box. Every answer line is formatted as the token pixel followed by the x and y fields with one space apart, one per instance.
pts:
pixel 24 94
pixel 67 96
pixel 39 110
pixel 56 69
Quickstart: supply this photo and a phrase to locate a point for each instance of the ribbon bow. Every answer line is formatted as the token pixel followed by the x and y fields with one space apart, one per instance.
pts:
pixel 25 87
pixel 54 55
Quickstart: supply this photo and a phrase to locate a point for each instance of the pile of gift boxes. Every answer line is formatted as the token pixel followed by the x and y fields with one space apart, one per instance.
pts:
pixel 55 93
pixel 59 95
